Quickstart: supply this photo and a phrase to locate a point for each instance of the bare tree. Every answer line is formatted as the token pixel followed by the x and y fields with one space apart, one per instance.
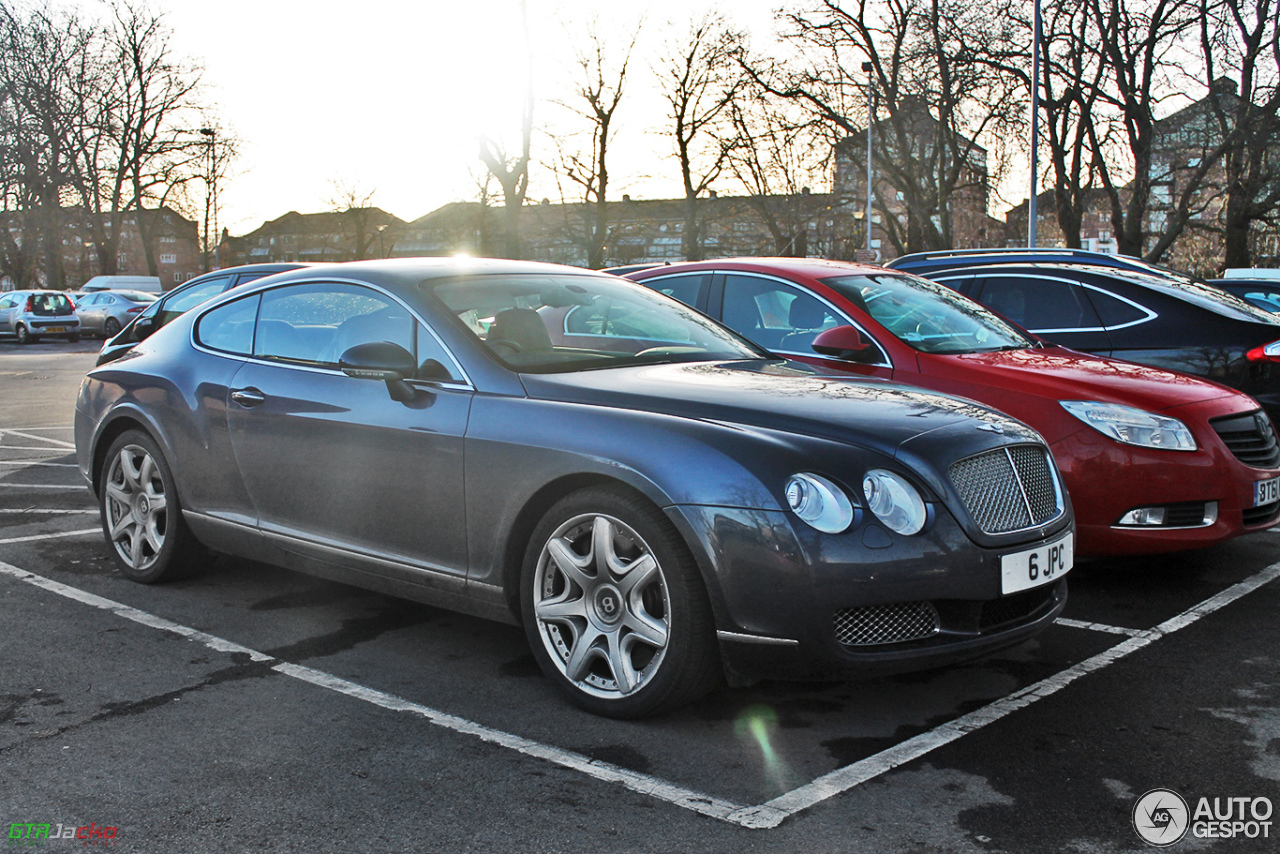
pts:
pixel 599 90
pixel 1136 43
pixel 47 66
pixel 938 100
pixel 362 223
pixel 699 81
pixel 1240 40
pixel 512 170
pixel 777 154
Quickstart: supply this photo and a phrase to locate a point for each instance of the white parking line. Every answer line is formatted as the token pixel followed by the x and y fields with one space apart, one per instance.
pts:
pixel 32 463
pixel 1099 627
pixel 82 487
pixel 43 510
pixel 42 448
pixel 35 537
pixel 762 816
pixel 4 431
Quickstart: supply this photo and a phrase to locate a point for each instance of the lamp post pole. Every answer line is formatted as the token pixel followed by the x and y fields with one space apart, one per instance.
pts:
pixel 1035 121
pixel 210 196
pixel 871 90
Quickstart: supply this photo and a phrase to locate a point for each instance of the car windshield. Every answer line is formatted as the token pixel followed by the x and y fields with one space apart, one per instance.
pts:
pixel 1199 293
pixel 540 323
pixel 930 317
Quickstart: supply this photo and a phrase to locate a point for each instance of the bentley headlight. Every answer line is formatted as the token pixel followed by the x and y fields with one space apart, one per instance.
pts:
pixel 819 502
pixel 895 502
pixel 1132 426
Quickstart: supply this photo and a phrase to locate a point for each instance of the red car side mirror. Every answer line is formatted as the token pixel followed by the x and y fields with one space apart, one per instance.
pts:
pixel 844 342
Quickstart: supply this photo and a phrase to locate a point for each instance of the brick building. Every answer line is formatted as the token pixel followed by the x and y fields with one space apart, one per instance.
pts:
pixel 333 236
pixel 160 240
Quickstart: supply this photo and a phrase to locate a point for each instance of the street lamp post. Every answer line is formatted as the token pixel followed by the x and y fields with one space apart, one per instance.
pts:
pixel 1035 121
pixel 871 90
pixel 210 195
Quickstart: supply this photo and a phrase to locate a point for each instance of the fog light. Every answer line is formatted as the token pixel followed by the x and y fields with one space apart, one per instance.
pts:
pixel 1144 517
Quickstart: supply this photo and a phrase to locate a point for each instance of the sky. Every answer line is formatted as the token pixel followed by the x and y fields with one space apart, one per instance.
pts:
pixel 390 97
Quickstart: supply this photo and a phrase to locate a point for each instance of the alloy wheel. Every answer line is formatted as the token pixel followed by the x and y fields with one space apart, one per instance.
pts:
pixel 602 606
pixel 136 507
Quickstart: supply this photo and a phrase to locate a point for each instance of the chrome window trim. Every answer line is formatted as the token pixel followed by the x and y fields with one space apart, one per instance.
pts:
pixel 1150 315
pixel 885 362
pixel 466 384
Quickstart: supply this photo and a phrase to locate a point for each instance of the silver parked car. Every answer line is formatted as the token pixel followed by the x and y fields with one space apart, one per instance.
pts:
pixel 107 312
pixel 32 315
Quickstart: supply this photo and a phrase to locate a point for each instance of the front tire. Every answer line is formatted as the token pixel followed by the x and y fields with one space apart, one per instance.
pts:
pixel 141 513
pixel 614 607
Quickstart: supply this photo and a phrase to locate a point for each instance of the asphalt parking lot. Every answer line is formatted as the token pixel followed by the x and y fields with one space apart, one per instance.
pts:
pixel 247 707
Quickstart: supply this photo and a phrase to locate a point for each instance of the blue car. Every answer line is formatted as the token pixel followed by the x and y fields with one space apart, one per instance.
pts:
pixel 660 503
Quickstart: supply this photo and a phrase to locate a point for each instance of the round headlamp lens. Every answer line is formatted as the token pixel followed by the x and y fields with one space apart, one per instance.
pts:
pixel 895 502
pixel 819 502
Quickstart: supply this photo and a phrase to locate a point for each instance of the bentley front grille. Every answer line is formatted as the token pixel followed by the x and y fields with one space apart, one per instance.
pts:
pixel 1009 489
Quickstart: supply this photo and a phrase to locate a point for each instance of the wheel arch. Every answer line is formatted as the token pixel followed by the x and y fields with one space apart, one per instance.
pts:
pixel 119 423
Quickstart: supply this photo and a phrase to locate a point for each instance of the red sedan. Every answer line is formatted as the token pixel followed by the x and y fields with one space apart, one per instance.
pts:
pixel 1155 461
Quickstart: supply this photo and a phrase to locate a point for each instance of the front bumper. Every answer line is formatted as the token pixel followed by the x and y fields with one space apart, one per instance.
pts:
pixel 1107 480
pixel 785 595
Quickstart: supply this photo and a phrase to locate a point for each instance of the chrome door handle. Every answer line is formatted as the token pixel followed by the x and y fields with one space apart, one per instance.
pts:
pixel 248 397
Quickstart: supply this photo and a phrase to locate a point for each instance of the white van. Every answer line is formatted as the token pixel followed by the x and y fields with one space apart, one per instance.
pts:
pixel 151 284
pixel 1252 273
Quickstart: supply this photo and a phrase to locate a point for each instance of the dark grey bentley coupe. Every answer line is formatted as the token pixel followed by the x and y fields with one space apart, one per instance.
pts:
pixel 660 503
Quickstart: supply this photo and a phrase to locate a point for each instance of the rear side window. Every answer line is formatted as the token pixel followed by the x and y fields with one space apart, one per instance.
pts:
pixel 229 327
pixel 316 323
pixel 1040 304
pixel 1115 312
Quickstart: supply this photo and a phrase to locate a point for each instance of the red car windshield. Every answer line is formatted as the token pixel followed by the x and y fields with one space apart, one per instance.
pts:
pixel 930 317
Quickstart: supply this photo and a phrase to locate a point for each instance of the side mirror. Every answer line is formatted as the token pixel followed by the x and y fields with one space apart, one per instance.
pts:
pixel 144 326
pixel 381 360
pixel 846 343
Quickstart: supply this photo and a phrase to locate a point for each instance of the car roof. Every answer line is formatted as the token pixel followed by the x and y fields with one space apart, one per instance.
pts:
pixel 409 272
pixel 955 258
pixel 816 268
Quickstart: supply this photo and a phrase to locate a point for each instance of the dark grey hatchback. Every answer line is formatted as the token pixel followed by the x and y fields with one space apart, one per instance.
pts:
pixel 659 503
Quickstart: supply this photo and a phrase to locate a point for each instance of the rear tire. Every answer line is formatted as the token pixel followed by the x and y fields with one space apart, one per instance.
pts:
pixel 25 336
pixel 74 337
pixel 111 328
pixel 615 608
pixel 142 514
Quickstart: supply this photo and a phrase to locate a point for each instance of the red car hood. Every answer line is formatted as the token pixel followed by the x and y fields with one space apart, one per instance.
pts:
pixel 1056 373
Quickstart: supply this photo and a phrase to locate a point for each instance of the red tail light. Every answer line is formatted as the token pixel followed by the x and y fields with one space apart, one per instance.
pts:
pixel 1265 353
pixel 133 311
pixel 31 305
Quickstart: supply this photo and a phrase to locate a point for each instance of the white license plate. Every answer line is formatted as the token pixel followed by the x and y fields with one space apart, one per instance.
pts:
pixel 1266 492
pixel 53 329
pixel 1034 567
